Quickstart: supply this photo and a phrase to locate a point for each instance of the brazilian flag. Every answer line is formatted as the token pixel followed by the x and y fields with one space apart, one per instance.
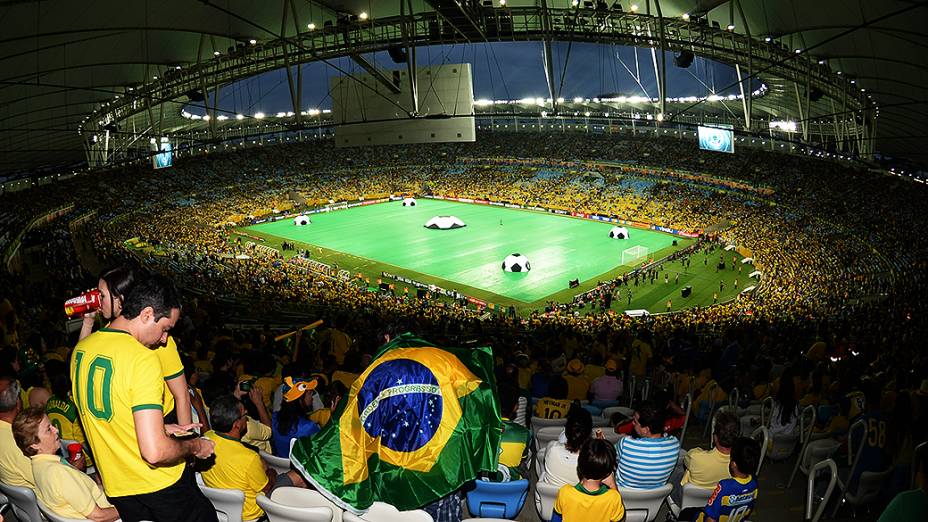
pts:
pixel 419 423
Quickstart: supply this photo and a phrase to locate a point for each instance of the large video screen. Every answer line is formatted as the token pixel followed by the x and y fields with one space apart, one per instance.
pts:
pixel 718 138
pixel 165 155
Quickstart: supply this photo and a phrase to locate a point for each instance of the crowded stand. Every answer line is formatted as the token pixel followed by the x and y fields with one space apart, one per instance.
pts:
pixel 599 412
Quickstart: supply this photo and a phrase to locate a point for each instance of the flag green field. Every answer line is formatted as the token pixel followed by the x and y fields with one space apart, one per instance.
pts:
pixel 559 248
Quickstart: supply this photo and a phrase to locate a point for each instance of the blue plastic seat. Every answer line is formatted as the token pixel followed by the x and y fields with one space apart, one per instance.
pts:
pixel 497 499
pixel 594 411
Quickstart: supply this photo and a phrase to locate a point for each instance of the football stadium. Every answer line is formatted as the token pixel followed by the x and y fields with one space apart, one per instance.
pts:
pixel 433 260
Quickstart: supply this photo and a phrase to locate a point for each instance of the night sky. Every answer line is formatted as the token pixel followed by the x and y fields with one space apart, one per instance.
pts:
pixel 510 70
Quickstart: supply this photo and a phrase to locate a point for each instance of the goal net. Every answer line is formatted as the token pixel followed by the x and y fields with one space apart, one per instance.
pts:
pixel 633 254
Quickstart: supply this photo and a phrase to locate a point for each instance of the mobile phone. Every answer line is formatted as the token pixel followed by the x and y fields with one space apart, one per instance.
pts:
pixel 245 386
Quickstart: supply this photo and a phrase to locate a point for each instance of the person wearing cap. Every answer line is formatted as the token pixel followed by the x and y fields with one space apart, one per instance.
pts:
pixel 292 420
pixel 237 466
pixel 608 388
pixel 577 384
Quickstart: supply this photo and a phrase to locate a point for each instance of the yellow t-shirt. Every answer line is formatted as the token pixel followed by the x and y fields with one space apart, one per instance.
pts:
pixel 548 408
pixel 171 368
pixel 640 354
pixel 64 490
pixel 268 385
pixel 705 469
pixel 577 387
pixel 322 416
pixel 346 378
pixel 15 468
pixel 575 503
pixel 237 467
pixel 112 376
pixel 63 415
pixel 258 435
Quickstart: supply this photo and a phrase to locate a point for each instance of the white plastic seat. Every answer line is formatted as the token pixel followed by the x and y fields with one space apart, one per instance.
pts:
pixel 25 505
pixel 813 514
pixel 694 496
pixel 869 486
pixel 277 512
pixel 916 458
pixel 609 434
pixel 545 435
pixel 545 495
pixel 540 422
pixel 278 464
pixel 383 512
pixel 806 425
pixel 853 460
pixel 687 409
pixel 228 503
pixel 308 498
pixel 642 505
pixel 52 517
pixel 612 410
pixel 762 436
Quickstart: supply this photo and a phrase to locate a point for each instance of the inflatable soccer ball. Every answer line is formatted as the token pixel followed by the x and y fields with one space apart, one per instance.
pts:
pixel 300 221
pixel 618 233
pixel 516 263
pixel 444 223
pixel 409 202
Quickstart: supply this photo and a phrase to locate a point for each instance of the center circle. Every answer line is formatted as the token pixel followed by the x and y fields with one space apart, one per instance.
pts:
pixel 401 403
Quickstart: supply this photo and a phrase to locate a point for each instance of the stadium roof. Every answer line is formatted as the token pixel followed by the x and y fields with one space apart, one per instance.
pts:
pixel 60 60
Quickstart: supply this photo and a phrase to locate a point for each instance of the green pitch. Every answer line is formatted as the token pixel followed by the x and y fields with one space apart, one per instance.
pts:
pixel 559 248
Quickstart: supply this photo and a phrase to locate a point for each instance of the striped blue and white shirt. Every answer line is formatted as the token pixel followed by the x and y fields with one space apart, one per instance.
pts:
pixel 646 463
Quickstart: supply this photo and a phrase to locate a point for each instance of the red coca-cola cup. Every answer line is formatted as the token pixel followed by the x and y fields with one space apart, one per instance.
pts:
pixel 85 303
pixel 75 450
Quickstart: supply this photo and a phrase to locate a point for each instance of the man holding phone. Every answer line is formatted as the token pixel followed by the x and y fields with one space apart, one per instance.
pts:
pixel 117 386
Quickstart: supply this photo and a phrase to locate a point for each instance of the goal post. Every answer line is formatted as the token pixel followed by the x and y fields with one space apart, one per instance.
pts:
pixel 633 254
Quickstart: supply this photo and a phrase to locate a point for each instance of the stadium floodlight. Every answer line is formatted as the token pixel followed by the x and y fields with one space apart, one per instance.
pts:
pixel 362 16
pixel 798 51
pixel 215 53
pixel 731 27
pixel 634 8
pixel 575 3
pixel 253 41
pixel 768 39
pixel 239 117
pixel 259 115
pixel 502 3
pixel 311 26
pixel 155 77
pixel 686 17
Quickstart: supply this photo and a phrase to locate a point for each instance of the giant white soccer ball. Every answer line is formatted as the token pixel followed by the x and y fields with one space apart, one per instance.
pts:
pixel 301 221
pixel 618 233
pixel 409 202
pixel 444 223
pixel 516 263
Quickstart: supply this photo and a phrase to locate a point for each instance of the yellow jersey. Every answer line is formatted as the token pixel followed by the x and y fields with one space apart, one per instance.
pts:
pixel 113 376
pixel 237 467
pixel 63 416
pixel 171 368
pixel 548 408
pixel 575 503
pixel 15 468
pixel 64 490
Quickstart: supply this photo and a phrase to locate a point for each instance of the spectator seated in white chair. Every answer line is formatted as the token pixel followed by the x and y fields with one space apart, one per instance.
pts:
pixel 64 490
pixel 647 459
pixel 237 466
pixel 560 464
pixel 733 498
pixel 706 468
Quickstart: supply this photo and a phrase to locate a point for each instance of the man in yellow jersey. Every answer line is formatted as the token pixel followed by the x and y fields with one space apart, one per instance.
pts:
pixel 15 468
pixel 117 386
pixel 237 466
